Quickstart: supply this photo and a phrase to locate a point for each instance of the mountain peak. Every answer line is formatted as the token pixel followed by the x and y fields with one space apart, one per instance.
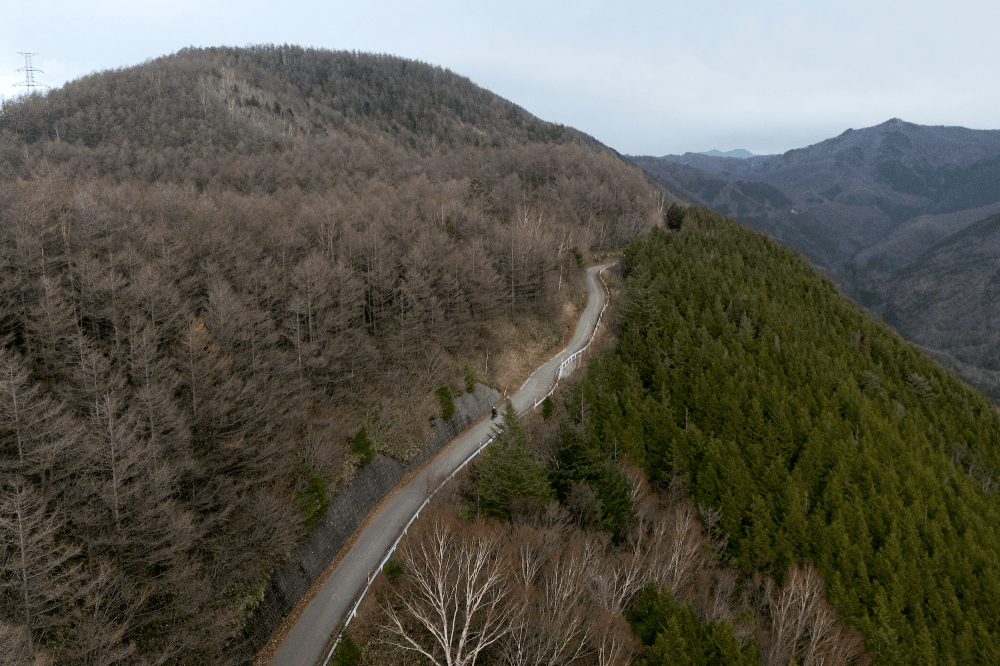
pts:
pixel 893 123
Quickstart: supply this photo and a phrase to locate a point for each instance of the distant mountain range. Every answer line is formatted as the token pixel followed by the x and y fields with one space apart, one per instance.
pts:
pixel 902 217
pixel 738 153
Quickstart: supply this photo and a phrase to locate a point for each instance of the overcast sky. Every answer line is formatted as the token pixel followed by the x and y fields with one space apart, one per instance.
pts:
pixel 647 78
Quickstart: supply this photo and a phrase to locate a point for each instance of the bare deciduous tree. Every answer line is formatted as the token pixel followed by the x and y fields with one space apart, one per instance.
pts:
pixel 528 557
pixel 551 622
pixel 16 647
pixel 675 546
pixel 618 577
pixel 35 430
pixel 804 626
pixel 456 594
pixel 722 590
pixel 36 573
pixel 614 642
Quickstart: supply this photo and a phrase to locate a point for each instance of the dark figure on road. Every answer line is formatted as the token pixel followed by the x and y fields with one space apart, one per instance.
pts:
pixel 494 413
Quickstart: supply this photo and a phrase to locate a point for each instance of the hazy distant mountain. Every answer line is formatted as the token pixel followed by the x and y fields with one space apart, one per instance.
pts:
pixel 864 206
pixel 899 168
pixel 738 153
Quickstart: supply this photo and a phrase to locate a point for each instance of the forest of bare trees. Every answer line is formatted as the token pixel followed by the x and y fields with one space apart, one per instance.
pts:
pixel 216 267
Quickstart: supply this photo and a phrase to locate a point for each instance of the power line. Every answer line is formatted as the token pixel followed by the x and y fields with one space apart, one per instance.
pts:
pixel 29 74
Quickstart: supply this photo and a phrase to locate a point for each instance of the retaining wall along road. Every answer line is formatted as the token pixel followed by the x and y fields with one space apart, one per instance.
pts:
pixel 347 509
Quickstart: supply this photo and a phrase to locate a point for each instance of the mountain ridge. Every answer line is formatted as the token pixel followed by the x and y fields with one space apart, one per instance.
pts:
pixel 893 156
pixel 862 206
pixel 737 152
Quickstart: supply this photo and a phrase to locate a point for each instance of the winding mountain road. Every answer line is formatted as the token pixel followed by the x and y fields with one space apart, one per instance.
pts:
pixel 307 642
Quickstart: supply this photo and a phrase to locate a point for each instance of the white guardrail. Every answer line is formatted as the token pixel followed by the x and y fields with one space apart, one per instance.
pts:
pixel 572 357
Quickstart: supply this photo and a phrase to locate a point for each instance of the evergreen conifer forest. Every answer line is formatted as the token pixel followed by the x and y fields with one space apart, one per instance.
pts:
pixel 812 432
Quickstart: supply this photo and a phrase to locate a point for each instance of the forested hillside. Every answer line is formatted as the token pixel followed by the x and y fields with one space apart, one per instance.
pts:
pixel 554 550
pixel 217 266
pixel 812 433
pixel 887 212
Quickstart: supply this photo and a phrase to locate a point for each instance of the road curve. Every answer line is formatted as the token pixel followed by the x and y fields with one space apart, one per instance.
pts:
pixel 307 642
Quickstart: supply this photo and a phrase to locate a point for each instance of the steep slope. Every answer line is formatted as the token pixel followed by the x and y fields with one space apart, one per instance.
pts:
pixel 812 432
pixel 907 242
pixel 882 175
pixel 901 163
pixel 307 641
pixel 952 290
pixel 933 279
pixel 763 207
pixel 217 267
pixel 863 206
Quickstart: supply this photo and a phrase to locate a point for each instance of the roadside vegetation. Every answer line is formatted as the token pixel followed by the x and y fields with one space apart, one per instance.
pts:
pixel 756 472
pixel 551 551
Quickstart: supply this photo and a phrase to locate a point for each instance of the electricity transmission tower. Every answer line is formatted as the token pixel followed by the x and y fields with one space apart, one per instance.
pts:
pixel 29 74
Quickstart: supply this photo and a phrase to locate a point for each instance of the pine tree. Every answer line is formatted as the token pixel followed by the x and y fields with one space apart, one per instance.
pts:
pixel 509 469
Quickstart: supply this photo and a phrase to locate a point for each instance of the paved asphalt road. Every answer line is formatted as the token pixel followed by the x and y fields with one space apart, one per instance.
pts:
pixel 306 642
